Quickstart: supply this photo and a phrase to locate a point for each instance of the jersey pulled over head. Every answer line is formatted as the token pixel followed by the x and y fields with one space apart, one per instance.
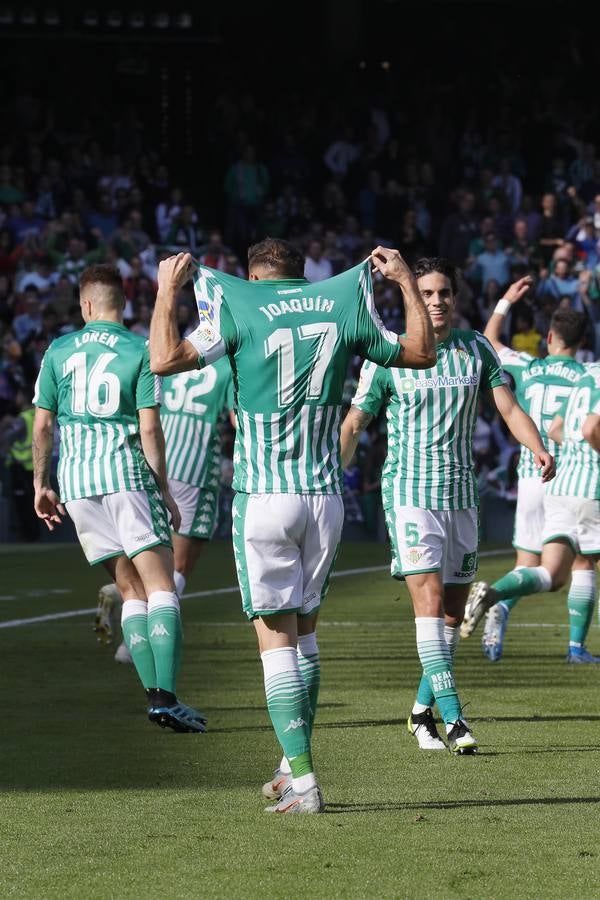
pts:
pixel 289 343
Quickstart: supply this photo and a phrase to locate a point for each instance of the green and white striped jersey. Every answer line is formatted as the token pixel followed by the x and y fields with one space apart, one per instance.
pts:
pixel 96 380
pixel 431 415
pixel 578 473
pixel 541 387
pixel 193 404
pixel 289 343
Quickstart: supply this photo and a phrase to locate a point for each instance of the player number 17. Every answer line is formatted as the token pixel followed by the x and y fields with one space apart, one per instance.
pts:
pixel 281 343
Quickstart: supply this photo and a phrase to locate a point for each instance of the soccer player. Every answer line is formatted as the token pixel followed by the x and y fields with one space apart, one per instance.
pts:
pixel 429 488
pixel 289 343
pixel 541 385
pixel 193 404
pixel 571 521
pixel 113 482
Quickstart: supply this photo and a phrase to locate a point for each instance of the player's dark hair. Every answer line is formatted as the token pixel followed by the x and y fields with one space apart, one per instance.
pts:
pixel 569 326
pixel 281 257
pixel 103 273
pixel 430 264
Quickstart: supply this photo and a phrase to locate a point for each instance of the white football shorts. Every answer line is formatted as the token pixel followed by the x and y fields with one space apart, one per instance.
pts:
pixel 285 546
pixel 529 515
pixel 198 507
pixel 575 519
pixel 434 540
pixel 124 523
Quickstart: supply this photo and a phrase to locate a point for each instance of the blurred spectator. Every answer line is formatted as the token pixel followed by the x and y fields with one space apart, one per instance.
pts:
pixel 246 187
pixel 551 229
pixel 459 229
pixel 30 320
pixel 521 249
pixel 509 185
pixel 184 230
pixel 16 430
pixel 214 253
pixel 342 153
pixel 525 338
pixel 316 267
pixel 103 219
pixel 560 283
pixel 493 264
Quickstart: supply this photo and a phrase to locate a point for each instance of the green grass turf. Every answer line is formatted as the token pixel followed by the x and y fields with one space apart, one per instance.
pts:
pixel 97 802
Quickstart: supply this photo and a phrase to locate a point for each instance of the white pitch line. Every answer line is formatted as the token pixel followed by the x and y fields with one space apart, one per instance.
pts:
pixel 73 613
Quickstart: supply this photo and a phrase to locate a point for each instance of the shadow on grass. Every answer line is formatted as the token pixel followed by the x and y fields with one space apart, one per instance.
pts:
pixel 385 723
pixel 260 708
pixel 391 806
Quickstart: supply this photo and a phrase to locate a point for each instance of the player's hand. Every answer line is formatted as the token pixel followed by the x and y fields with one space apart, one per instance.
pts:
pixel 518 289
pixel 48 507
pixel 390 264
pixel 545 463
pixel 174 271
pixel 173 511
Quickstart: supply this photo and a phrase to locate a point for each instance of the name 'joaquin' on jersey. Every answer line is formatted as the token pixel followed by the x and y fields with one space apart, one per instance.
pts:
pixel 431 415
pixel 289 343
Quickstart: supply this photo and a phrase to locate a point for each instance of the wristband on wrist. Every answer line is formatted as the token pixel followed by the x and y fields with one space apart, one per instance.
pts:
pixel 502 306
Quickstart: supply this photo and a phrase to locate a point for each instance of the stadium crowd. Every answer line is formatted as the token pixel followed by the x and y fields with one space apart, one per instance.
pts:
pixel 496 202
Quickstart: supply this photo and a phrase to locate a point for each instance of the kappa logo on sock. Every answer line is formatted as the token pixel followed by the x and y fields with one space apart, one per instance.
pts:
pixel 295 723
pixel 137 639
pixel 159 630
pixel 574 612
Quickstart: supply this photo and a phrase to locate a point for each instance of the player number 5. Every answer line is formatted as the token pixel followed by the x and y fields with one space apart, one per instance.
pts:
pixel 412 534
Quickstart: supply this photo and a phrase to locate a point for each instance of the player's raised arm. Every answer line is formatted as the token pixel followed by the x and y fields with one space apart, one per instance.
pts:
pixel 168 353
pixel 417 346
pixel 493 329
pixel 524 429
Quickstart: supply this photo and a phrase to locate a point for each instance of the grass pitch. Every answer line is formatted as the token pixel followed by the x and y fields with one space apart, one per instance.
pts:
pixel 98 803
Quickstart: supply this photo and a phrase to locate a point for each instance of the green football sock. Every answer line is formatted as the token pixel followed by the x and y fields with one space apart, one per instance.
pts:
pixel 134 623
pixel 288 705
pixel 580 603
pixel 511 602
pixel 425 696
pixel 521 582
pixel 164 630
pixel 310 668
pixel 437 666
